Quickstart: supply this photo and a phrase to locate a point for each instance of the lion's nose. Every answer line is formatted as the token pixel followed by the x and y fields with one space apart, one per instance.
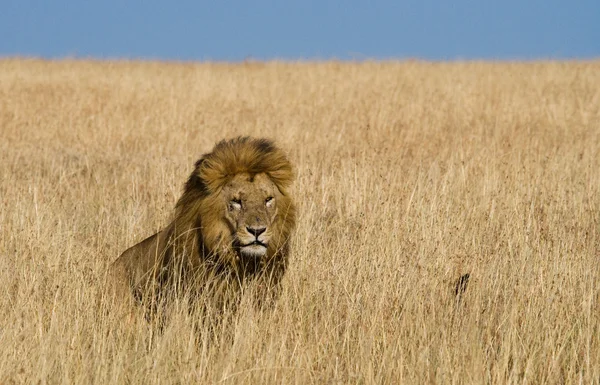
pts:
pixel 256 231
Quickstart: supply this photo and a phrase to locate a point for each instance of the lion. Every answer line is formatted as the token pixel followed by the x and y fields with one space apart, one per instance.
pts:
pixel 231 226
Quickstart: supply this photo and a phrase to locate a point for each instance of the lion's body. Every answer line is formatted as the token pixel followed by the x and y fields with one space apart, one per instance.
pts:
pixel 231 225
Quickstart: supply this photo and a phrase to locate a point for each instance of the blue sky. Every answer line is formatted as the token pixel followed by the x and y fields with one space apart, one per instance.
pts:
pixel 236 30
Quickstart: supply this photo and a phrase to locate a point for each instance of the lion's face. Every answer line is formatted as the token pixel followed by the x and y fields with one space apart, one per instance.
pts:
pixel 251 208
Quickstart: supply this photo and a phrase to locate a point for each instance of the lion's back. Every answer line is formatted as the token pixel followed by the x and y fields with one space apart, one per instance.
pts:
pixel 134 267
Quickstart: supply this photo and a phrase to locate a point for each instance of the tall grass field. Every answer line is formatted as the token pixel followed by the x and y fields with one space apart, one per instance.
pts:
pixel 409 175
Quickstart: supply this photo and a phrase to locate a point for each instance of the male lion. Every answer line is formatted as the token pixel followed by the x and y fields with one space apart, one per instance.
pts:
pixel 231 226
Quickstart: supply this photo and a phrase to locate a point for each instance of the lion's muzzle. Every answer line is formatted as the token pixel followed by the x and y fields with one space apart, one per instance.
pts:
pixel 255 244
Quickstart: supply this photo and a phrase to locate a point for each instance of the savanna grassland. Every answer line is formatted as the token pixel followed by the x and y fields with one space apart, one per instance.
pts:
pixel 409 174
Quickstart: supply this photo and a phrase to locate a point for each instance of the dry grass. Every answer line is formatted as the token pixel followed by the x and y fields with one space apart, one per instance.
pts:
pixel 409 175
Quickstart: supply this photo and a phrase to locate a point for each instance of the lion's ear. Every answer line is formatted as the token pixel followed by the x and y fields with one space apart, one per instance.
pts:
pixel 280 170
pixel 283 178
pixel 195 182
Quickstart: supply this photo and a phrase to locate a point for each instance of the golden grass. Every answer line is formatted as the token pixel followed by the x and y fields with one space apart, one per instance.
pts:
pixel 409 175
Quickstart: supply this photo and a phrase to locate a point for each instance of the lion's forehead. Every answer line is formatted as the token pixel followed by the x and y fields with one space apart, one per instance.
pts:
pixel 250 187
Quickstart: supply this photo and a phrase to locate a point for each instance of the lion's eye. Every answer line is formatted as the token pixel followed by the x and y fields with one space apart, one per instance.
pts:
pixel 269 201
pixel 235 204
